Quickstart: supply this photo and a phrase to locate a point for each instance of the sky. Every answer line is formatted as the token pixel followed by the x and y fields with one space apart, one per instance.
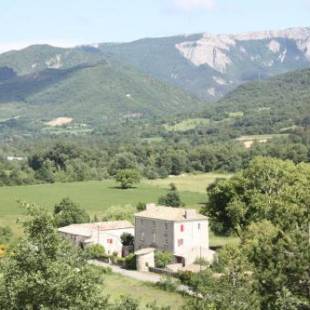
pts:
pixel 76 22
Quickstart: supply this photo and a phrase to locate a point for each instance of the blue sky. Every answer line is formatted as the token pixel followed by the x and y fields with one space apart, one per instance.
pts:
pixel 72 22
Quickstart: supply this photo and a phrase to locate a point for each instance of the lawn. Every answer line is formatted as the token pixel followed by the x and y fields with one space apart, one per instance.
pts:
pixel 189 182
pixel 96 197
pixel 99 197
pixel 146 293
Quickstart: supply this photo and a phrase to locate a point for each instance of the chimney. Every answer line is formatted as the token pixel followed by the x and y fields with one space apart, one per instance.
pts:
pixel 190 214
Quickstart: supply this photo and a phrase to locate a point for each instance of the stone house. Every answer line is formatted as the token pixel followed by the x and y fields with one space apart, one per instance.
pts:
pixel 107 234
pixel 183 232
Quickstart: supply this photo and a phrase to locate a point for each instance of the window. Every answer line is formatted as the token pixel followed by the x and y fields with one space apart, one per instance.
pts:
pixel 109 241
pixel 180 242
pixel 142 236
pixel 154 237
pixel 199 226
pixel 182 228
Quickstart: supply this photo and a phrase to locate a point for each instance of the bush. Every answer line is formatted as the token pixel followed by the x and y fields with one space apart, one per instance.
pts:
pixel 6 234
pixel 141 206
pixel 67 212
pixel 185 277
pixel 168 284
pixel 172 198
pixel 127 239
pixel 95 251
pixel 130 262
pixel 162 259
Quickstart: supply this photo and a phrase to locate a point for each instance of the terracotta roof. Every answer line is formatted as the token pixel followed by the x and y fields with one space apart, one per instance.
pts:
pixel 88 228
pixel 170 214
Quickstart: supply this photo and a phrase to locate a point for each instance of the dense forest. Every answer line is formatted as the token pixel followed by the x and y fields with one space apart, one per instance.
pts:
pixel 95 158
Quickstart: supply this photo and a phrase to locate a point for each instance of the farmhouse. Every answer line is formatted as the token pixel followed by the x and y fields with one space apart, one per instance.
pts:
pixel 107 234
pixel 184 232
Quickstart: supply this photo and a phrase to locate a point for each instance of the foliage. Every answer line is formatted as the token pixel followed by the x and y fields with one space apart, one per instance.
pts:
pixel 95 251
pixel 167 283
pixel 130 262
pixel 267 189
pixel 44 272
pixel 141 206
pixel 172 198
pixel 127 178
pixel 231 289
pixel 163 258
pixel 127 239
pixel 6 234
pixel 119 213
pixel 67 212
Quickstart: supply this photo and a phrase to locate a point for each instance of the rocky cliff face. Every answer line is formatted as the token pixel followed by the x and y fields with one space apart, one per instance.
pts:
pixel 209 66
pixel 214 50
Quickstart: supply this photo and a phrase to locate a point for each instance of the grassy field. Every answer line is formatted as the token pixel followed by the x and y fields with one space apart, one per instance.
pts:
pixel 189 182
pixel 146 293
pixel 187 124
pixel 96 197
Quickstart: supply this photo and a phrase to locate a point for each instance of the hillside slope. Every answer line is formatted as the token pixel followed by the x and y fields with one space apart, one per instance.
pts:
pixel 268 106
pixel 209 66
pixel 92 94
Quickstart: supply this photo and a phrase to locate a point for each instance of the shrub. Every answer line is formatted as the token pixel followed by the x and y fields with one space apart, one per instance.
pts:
pixel 162 259
pixel 168 284
pixel 67 212
pixel 141 206
pixel 130 262
pixel 95 251
pixel 127 239
pixel 172 198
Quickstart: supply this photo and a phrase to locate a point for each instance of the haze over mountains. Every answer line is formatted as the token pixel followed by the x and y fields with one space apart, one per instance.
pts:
pixel 145 78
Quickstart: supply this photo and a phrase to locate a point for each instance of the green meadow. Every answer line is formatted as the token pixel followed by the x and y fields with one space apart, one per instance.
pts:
pixel 96 197
pixel 100 197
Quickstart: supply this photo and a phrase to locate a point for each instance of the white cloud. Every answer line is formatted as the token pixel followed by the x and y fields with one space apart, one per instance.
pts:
pixel 188 5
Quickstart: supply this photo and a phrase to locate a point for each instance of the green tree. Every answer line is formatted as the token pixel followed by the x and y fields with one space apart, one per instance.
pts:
pixel 127 178
pixel 45 272
pixel 67 212
pixel 172 198
pixel 267 189
pixel 127 239
pixel 232 288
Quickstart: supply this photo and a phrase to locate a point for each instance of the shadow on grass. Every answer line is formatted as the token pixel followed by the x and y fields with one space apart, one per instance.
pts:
pixel 121 188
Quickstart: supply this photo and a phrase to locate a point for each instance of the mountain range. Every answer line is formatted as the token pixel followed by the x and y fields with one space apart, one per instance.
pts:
pixel 145 78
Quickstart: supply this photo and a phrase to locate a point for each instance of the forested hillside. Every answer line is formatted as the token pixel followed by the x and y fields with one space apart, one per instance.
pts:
pixel 275 105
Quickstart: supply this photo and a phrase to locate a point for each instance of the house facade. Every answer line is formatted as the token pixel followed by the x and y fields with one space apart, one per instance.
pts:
pixel 183 232
pixel 107 234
